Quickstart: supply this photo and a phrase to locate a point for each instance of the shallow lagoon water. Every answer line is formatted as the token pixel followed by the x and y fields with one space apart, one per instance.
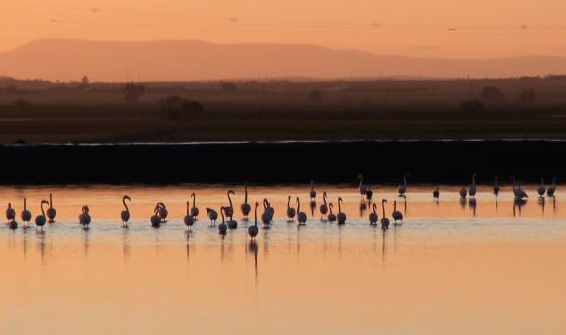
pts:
pixel 446 270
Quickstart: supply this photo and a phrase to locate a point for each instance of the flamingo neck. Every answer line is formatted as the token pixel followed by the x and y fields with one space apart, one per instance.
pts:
pixel 256 214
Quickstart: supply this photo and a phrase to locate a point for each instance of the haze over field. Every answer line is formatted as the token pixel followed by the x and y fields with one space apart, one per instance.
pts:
pixel 62 59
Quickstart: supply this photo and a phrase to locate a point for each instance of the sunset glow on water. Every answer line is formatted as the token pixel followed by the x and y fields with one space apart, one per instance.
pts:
pixel 443 271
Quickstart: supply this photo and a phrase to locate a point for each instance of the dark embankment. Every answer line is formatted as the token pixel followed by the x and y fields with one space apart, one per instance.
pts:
pixel 449 162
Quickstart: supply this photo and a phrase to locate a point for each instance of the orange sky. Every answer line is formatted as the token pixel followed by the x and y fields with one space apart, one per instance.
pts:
pixel 435 28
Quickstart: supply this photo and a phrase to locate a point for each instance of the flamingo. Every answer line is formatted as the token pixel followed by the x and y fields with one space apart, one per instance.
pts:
pixel 301 216
pixel 323 207
pixel 384 219
pixel 403 187
pixel 473 190
pixel 496 187
pixel 229 211
pixel 232 224
pixel 331 216
pixel 541 189
pixel 246 208
pixel 51 212
pixel 397 216
pixel 40 219
pixel 518 192
pixel 362 187
pixel 373 216
pixel 13 224
pixel 26 214
pixel 436 193
pixel 312 193
pixel 189 219
pixel 369 194
pixel 212 215
pixel 290 210
pixel 253 230
pixel 463 192
pixel 10 212
pixel 222 228
pixel 341 216
pixel 162 211
pixel 155 219
pixel 268 209
pixel 550 191
pixel 194 210
pixel 125 215
pixel 84 217
pixel 267 215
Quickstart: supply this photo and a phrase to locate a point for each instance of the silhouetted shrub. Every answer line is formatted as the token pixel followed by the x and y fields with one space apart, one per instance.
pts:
pixel 133 93
pixel 472 106
pixel 176 108
pixel 492 93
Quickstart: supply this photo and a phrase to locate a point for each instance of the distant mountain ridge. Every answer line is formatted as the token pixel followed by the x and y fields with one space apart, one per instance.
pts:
pixel 187 60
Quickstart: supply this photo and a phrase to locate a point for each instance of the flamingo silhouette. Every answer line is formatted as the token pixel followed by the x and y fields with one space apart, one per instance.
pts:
pixel 246 208
pixel 301 216
pixel 331 216
pixel 323 207
pixel 373 216
pixel 290 210
pixel 51 212
pixel 384 219
pixel 125 214
pixel 253 230
pixel 26 214
pixel 194 209
pixel 189 220
pixel 397 216
pixel 341 216
pixel 41 219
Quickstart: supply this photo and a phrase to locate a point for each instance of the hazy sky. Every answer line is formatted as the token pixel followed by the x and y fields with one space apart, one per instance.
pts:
pixel 433 28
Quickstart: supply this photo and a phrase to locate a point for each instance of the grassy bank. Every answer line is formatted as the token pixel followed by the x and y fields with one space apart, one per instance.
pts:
pixel 284 110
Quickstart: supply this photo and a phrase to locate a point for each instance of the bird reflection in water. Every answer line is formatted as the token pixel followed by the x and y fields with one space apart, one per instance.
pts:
pixel 383 247
pixel 473 205
pixel 312 206
pixel 222 249
pixel 541 202
pixel 404 196
pixel 518 203
pixel 126 248
pixel 86 240
pixel 463 203
pixel 41 244
pixel 436 195
pixel 363 207
pixel 253 248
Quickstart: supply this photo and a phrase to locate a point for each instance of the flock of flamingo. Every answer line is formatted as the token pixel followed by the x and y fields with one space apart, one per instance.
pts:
pixel 160 211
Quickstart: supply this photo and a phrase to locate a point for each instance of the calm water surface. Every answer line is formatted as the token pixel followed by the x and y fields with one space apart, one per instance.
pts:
pixel 449 269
